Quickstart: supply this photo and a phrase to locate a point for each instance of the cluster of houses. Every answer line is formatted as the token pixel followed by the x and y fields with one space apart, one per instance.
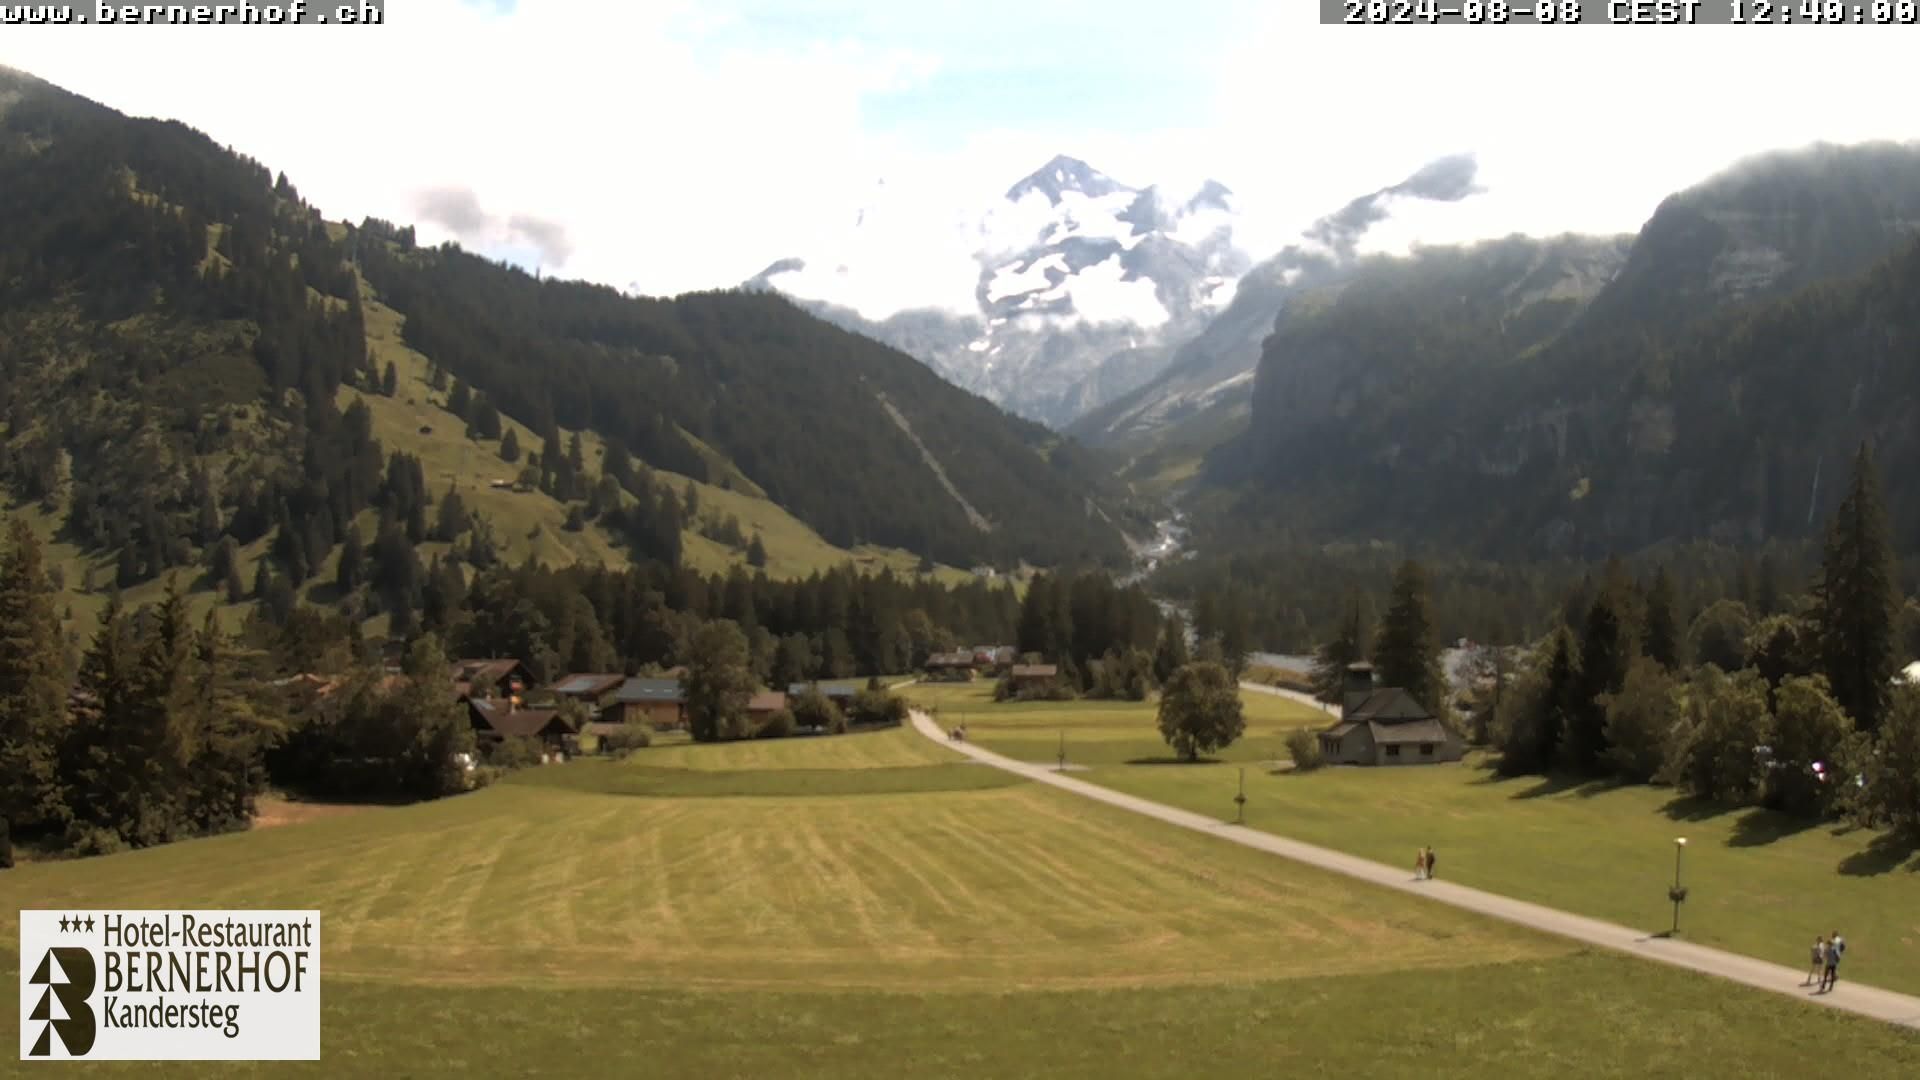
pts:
pixel 502 702
pixel 963 664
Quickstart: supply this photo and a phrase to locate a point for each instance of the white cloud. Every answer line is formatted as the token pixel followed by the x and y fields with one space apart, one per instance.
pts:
pixel 663 158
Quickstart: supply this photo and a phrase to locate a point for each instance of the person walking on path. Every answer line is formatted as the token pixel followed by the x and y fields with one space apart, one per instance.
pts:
pixel 1835 948
pixel 1420 864
pixel 1818 970
pixel 1429 864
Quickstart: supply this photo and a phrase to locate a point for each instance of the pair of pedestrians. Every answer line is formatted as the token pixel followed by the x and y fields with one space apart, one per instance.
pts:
pixel 1423 864
pixel 1826 962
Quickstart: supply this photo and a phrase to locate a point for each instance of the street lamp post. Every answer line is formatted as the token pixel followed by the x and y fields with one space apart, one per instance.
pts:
pixel 1240 800
pixel 1677 894
pixel 1063 751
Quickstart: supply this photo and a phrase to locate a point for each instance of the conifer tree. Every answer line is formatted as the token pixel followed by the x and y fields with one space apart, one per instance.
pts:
pixel 1170 652
pixel 33 686
pixel 97 771
pixel 351 573
pixel 460 399
pixel 1606 648
pixel 757 553
pixel 1855 600
pixel 1330 661
pixel 1661 643
pixel 1404 652
pixel 510 447
pixel 390 380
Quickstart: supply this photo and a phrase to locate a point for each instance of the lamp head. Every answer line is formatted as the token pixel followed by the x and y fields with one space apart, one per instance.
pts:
pixel 1680 840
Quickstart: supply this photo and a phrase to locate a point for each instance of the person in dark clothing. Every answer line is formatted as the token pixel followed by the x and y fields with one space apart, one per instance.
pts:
pixel 1835 947
pixel 1429 864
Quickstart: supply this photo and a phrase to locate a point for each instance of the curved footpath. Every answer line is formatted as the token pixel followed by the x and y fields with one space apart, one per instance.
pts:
pixel 1308 700
pixel 1851 997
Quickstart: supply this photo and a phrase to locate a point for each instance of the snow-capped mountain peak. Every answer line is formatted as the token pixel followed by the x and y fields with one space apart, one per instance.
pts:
pixel 1062 175
pixel 1085 284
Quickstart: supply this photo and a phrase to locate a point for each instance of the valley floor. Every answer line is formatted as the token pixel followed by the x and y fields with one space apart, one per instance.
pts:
pixel 875 904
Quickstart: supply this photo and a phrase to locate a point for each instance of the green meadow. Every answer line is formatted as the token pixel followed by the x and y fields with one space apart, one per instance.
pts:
pixel 849 906
pixel 1759 883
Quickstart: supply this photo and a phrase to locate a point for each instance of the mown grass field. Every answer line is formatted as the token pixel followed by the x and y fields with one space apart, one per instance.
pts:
pixel 1098 732
pixel 549 928
pixel 1760 883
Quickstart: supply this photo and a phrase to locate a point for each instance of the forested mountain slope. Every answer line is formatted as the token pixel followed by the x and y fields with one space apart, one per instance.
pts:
pixel 1758 330
pixel 200 374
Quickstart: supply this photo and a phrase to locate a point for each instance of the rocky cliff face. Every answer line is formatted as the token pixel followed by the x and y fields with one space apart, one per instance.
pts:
pixel 1581 397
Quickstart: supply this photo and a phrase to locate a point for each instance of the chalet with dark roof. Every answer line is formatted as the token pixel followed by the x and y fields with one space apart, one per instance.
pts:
pixel 498 678
pixel 1385 726
pixel 596 692
pixel 659 702
pixel 496 719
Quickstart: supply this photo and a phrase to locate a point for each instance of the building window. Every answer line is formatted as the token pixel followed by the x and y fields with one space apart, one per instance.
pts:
pixel 1393 751
pixel 1426 749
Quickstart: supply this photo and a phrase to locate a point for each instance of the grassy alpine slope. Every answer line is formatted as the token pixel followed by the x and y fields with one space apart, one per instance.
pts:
pixel 1759 883
pixel 543 927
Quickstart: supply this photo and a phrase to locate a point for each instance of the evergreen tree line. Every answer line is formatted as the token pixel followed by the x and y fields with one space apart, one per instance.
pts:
pixel 1800 710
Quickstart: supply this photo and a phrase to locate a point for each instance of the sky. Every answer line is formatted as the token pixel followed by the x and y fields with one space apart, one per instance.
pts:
pixel 666 146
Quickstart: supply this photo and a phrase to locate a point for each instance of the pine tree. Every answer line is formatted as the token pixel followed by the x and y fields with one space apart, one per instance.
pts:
pixel 1855 600
pixel 1605 651
pixel 757 553
pixel 33 686
pixel 1330 661
pixel 390 380
pixel 1404 652
pixel 351 573
pixel 228 769
pixel 97 773
pixel 460 399
pixel 510 447
pixel 1170 652
pixel 1661 642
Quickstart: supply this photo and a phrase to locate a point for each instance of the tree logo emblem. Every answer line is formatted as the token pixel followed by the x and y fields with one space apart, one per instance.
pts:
pixel 72 987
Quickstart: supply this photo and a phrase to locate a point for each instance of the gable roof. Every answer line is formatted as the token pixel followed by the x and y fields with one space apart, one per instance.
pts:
pixel 1391 705
pixel 512 722
pixel 950 659
pixel 1415 731
pixel 635 691
pixel 1340 729
pixel 587 685
pixel 1035 671
pixel 467 675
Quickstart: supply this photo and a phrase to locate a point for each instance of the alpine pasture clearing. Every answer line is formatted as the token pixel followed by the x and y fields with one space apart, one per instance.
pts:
pixel 1759 882
pixel 548 928
pixel 1098 732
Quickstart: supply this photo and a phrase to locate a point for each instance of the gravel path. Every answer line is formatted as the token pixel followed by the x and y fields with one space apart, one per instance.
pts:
pixel 1852 997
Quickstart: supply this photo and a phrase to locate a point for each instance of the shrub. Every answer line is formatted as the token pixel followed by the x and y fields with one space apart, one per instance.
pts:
pixel 813 709
pixel 1304 747
pixel 777 726
pixel 629 738
pixel 872 708
pixel 515 753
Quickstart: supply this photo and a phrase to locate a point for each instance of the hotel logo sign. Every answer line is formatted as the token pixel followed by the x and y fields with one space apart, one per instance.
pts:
pixel 101 985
